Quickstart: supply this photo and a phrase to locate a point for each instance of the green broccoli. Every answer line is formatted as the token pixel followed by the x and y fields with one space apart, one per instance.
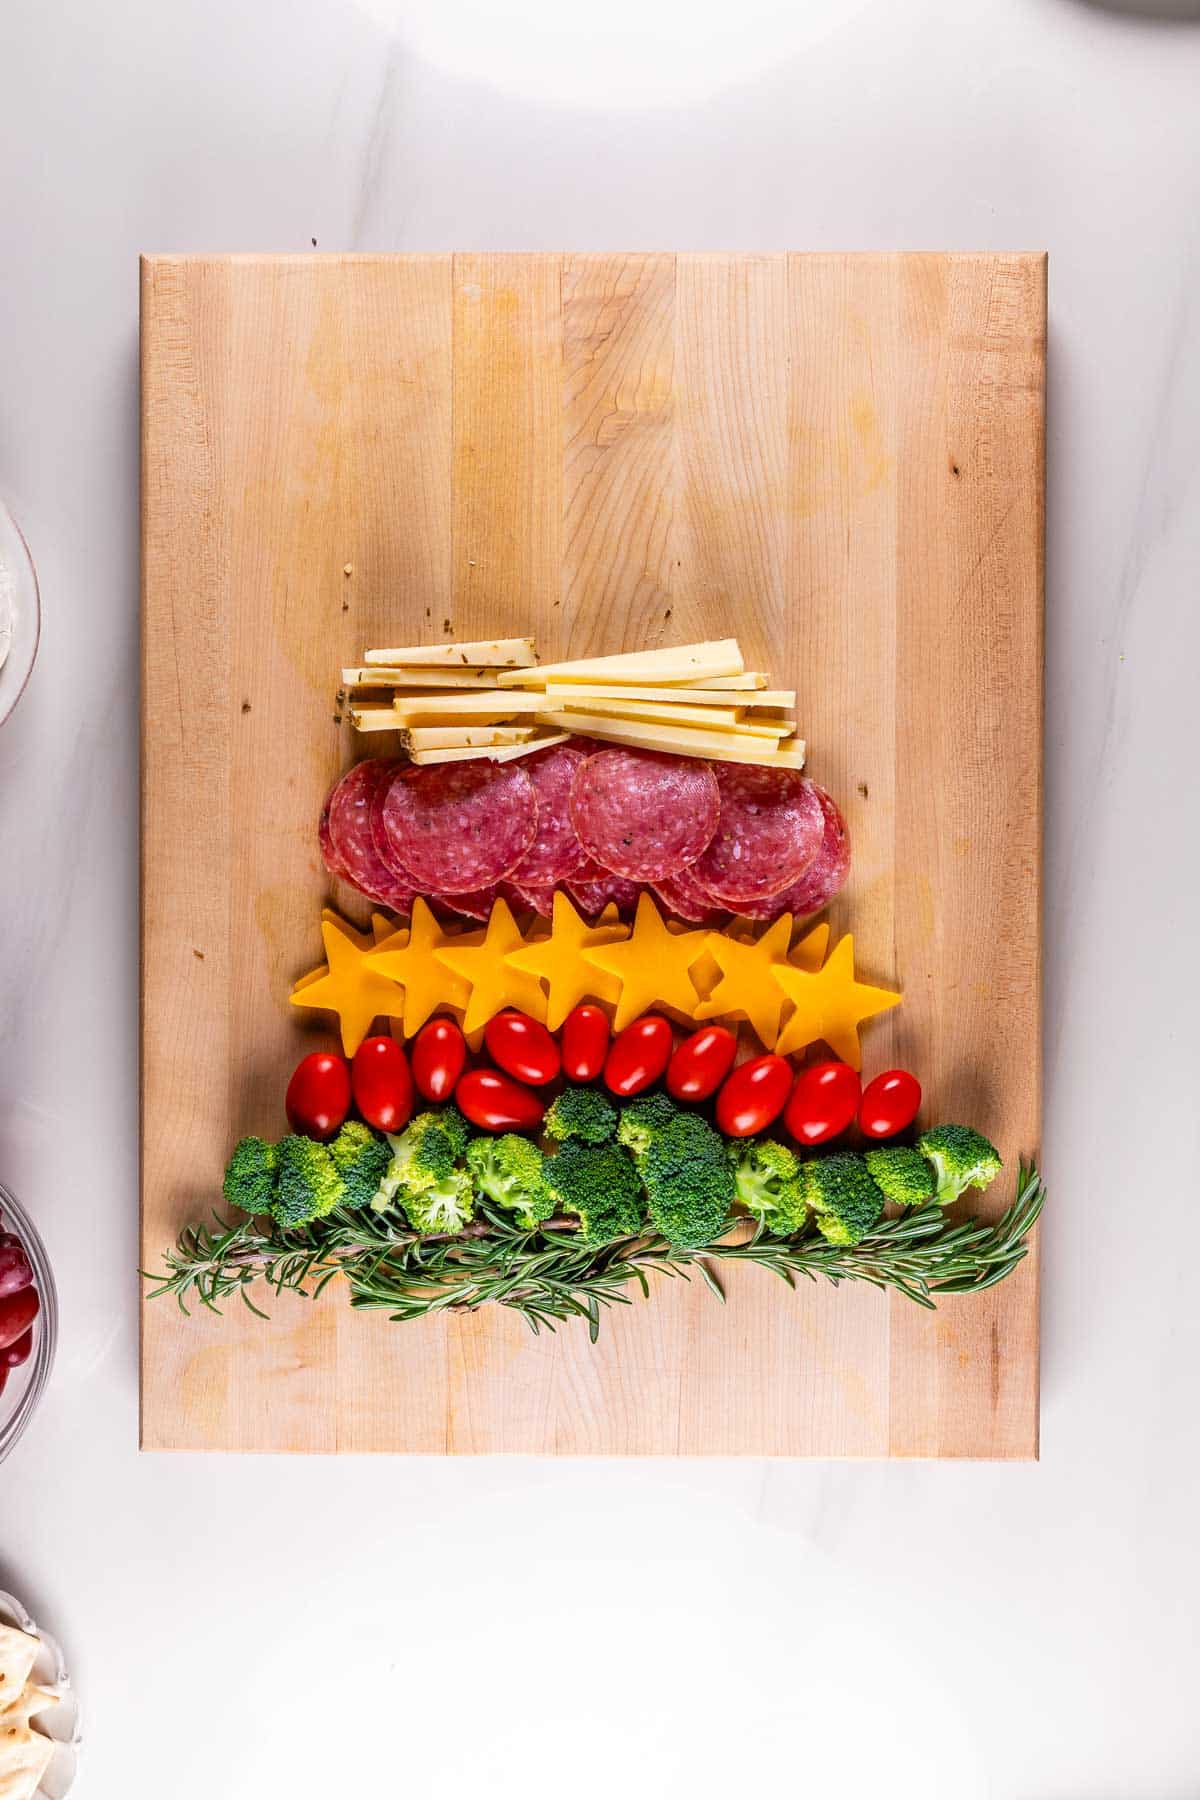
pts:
pixel 510 1171
pixel 599 1183
pixel 688 1181
pixel 308 1185
pixel 424 1154
pixel 250 1177
pixel 901 1175
pixel 362 1159
pixel 766 1179
pixel 841 1193
pixel 642 1119
pixel 961 1158
pixel 445 1205
pixel 581 1112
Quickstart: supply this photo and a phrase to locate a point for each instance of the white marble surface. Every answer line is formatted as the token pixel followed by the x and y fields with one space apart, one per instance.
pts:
pixel 266 1628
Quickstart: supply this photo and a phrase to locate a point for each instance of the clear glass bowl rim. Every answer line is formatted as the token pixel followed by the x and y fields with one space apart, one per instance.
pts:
pixel 16 1219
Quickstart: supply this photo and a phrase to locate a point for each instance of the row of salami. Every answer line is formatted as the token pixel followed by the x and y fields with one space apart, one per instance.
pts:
pixel 710 839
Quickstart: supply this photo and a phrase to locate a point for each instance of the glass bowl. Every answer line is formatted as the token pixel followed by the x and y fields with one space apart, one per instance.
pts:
pixel 20 613
pixel 24 1387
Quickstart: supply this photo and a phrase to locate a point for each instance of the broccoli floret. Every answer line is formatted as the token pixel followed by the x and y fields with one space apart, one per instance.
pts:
pixel 250 1177
pixel 581 1112
pixel 455 1127
pixel 510 1171
pixel 599 1183
pixel 767 1182
pixel 901 1175
pixel 362 1159
pixel 308 1185
pixel 841 1193
pixel 424 1154
pixel 443 1206
pixel 961 1158
pixel 642 1119
pixel 688 1181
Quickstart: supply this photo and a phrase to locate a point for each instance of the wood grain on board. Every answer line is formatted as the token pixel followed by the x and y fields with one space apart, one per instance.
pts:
pixel 837 458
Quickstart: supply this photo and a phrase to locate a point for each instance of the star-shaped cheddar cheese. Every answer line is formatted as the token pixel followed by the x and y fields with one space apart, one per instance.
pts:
pixel 651 965
pixel 349 986
pixel 486 966
pixel 746 985
pixel 810 951
pixel 558 960
pixel 830 1005
pixel 427 983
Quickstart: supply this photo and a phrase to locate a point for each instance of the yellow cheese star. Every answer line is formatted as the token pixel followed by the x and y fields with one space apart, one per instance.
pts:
pixel 349 986
pixel 810 951
pixel 830 1005
pixel 427 983
pixel 494 982
pixel 558 961
pixel 652 965
pixel 745 986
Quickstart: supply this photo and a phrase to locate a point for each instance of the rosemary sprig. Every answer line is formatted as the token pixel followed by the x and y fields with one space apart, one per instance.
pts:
pixel 547 1276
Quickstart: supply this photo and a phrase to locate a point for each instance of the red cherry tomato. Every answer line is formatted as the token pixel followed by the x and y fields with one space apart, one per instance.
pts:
pixel 584 1043
pixel 523 1048
pixel 701 1063
pixel 823 1103
pixel 639 1055
pixel 318 1095
pixel 889 1103
pixel 17 1313
pixel 439 1055
pixel 496 1102
pixel 15 1354
pixel 382 1084
pixel 753 1096
pixel 15 1270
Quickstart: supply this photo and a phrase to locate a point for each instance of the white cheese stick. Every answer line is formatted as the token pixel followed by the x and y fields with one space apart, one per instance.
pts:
pixel 707 718
pixel 681 740
pixel 750 678
pixel 463 737
pixel 683 662
pixel 504 653
pixel 374 718
pixel 502 753
pixel 576 692
pixel 473 709
pixel 383 677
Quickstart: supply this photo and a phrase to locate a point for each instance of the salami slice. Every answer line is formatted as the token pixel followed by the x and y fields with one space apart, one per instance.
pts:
pixel 824 877
pixel 686 899
pixel 329 856
pixel 769 832
pixel 538 900
pixel 644 815
pixel 458 827
pixel 463 906
pixel 555 852
pixel 595 888
pixel 351 839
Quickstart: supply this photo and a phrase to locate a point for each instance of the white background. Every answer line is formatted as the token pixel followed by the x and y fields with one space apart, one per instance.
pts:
pixel 259 1628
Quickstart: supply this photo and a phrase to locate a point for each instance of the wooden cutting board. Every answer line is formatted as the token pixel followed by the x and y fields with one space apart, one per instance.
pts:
pixel 837 458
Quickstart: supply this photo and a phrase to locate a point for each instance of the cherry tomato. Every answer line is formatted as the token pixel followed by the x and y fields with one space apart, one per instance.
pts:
pixel 753 1096
pixel 523 1048
pixel 638 1056
pixel 382 1083
pixel 318 1095
pixel 15 1270
pixel 496 1102
pixel 17 1313
pixel 889 1103
pixel 824 1101
pixel 439 1055
pixel 15 1354
pixel 584 1043
pixel 701 1063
